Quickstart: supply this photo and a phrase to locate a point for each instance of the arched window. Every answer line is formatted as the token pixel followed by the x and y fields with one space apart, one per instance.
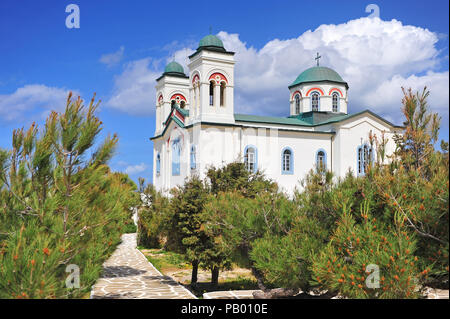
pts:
pixel 176 154
pixel 250 158
pixel 297 104
pixel 287 161
pixel 222 93
pixel 321 160
pixel 193 157
pixel 315 98
pixel 365 158
pixel 211 93
pixel 335 102
pixel 158 164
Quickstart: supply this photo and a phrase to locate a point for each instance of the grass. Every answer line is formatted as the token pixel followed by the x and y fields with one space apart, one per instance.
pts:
pixel 169 263
pixel 130 228
pixel 166 260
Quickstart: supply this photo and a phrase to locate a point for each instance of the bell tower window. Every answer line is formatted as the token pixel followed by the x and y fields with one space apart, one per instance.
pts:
pixel 297 104
pixel 211 93
pixel 222 93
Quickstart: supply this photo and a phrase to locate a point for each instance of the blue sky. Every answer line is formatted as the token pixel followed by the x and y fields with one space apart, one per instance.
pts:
pixel 122 46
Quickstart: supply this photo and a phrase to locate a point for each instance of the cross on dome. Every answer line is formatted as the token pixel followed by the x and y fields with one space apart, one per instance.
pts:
pixel 317 58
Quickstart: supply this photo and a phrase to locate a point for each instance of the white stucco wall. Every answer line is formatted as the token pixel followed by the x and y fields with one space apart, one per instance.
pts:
pixel 325 104
pixel 218 145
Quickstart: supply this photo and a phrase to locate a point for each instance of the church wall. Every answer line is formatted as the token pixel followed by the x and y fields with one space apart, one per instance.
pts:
pixel 225 144
pixel 305 147
pixel 356 133
pixel 218 145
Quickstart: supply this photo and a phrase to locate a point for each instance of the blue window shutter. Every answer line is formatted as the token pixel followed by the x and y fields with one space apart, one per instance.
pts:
pixel 176 150
pixel 321 159
pixel 158 164
pixel 364 157
pixel 251 158
pixel 193 159
pixel 287 161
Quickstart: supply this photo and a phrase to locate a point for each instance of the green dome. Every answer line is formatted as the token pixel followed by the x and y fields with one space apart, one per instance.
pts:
pixel 174 68
pixel 318 74
pixel 211 41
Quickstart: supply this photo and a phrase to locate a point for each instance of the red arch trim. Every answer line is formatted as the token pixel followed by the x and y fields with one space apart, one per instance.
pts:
pixel 174 97
pixel 315 89
pixel 195 78
pixel 335 89
pixel 218 77
pixel 295 93
pixel 160 98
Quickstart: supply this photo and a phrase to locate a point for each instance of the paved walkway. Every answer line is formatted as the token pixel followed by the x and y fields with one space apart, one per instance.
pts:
pixel 127 274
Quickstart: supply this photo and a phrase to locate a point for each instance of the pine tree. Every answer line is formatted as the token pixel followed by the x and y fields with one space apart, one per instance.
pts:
pixel 58 206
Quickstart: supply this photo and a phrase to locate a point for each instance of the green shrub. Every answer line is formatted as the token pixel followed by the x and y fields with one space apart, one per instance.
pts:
pixel 59 207
pixel 341 265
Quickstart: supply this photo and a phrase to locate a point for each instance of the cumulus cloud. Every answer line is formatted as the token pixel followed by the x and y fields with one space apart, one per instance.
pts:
pixel 375 57
pixel 33 99
pixel 112 59
pixel 134 88
pixel 388 94
pixel 135 169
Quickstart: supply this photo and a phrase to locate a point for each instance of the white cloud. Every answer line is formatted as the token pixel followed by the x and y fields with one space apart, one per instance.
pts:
pixel 33 99
pixel 134 169
pixel 114 58
pixel 134 88
pixel 375 57
pixel 387 96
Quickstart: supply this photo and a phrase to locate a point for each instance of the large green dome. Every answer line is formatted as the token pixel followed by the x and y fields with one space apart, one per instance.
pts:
pixel 211 41
pixel 318 74
pixel 174 68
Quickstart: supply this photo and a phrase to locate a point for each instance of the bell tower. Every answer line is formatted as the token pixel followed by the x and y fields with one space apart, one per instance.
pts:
pixel 172 88
pixel 211 70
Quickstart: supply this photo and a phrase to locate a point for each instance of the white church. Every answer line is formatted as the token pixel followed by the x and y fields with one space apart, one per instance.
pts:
pixel 196 126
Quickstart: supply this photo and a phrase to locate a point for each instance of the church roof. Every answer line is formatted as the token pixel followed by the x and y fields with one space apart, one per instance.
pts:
pixel 298 120
pixel 307 119
pixel 174 67
pixel 270 119
pixel 318 74
pixel 211 41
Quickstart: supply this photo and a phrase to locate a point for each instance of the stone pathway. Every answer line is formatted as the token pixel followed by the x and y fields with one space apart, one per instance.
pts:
pixel 127 274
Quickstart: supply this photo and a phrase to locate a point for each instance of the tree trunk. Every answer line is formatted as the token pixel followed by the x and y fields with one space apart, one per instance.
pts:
pixel 259 279
pixel 194 272
pixel 275 293
pixel 215 276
